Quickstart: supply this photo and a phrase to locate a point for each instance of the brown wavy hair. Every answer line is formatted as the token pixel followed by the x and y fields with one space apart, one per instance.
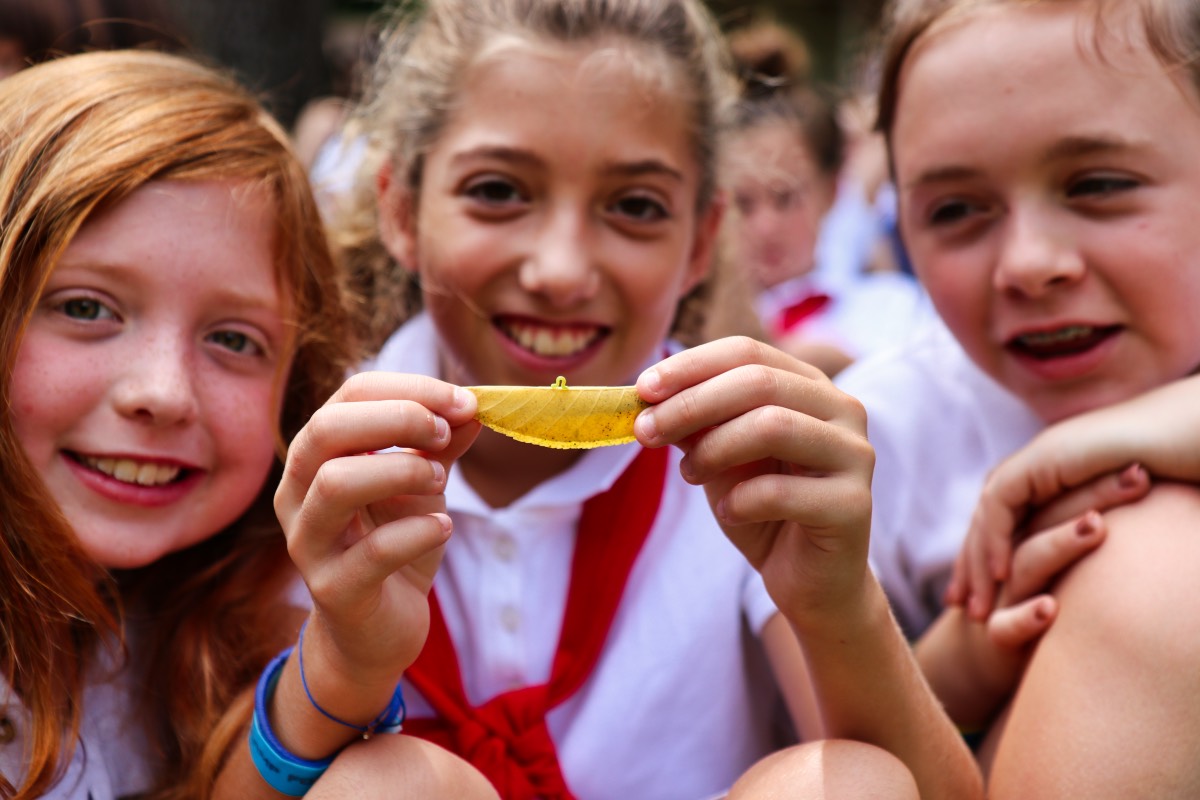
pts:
pixel 78 135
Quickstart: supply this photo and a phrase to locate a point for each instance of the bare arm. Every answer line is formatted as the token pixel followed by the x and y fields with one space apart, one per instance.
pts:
pixel 366 532
pixel 1109 702
pixel 784 458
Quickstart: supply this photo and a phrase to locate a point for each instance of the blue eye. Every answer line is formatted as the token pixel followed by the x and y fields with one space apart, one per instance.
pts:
pixel 235 342
pixel 86 308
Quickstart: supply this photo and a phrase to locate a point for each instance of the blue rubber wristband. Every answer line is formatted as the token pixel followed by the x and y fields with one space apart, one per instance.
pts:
pixel 285 772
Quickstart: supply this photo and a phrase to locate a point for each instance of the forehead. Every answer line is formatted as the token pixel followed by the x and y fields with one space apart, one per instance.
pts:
pixel 607 98
pixel 769 151
pixel 1033 70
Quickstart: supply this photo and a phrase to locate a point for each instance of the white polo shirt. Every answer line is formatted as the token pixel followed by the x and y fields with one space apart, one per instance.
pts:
pixel 681 701
pixel 111 758
pixel 938 425
pixel 866 313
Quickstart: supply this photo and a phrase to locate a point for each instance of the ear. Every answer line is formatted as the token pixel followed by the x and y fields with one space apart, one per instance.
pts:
pixel 708 228
pixel 397 218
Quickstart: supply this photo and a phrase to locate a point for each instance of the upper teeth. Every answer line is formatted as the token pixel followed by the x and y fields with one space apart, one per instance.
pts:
pixel 1060 335
pixel 551 341
pixel 130 471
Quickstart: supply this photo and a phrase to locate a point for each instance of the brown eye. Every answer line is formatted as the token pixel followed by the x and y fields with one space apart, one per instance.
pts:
pixel 640 208
pixel 1100 186
pixel 235 342
pixel 949 213
pixel 494 191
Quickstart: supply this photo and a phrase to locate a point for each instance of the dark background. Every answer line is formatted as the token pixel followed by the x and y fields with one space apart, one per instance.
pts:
pixel 289 49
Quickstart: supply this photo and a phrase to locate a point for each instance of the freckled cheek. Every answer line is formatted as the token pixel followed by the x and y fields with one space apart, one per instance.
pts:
pixel 51 392
pixel 242 424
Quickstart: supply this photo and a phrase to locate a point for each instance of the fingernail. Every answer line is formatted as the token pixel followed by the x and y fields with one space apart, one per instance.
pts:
pixel 1131 477
pixel 441 428
pixel 651 380
pixel 1087 524
pixel 686 470
pixel 645 427
pixel 439 471
pixel 444 520
pixel 460 397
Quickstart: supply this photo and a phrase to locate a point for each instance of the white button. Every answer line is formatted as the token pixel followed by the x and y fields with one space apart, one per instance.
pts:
pixel 510 618
pixel 505 547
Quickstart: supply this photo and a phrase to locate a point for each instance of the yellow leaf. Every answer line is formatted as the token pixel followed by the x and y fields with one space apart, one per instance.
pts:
pixel 560 416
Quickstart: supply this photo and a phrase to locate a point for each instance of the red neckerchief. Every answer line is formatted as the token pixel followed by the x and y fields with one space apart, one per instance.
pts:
pixel 506 738
pixel 796 313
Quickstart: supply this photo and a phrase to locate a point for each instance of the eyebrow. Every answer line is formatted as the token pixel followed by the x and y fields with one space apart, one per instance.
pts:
pixel 648 166
pixel 953 172
pixel 1070 147
pixel 1075 146
pixel 224 295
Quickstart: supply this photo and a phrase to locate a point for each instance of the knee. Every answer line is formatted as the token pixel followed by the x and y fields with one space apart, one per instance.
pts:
pixel 828 770
pixel 401 768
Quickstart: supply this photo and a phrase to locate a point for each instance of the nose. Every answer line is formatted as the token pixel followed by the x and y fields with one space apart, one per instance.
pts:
pixel 1037 255
pixel 156 386
pixel 561 264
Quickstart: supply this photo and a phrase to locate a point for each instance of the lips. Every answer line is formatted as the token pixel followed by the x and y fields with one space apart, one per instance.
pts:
pixel 132 471
pixel 1069 340
pixel 550 340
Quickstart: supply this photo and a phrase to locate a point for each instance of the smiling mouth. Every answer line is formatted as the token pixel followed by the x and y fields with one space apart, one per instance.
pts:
pixel 550 341
pixel 128 470
pixel 1068 341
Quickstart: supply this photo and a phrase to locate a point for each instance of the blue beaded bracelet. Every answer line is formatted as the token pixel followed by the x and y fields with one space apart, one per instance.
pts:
pixel 288 773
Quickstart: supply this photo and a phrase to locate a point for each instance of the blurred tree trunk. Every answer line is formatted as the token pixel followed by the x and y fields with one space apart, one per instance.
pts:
pixel 274 46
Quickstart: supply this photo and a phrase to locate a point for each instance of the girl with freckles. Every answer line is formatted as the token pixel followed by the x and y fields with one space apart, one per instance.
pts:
pixel 170 315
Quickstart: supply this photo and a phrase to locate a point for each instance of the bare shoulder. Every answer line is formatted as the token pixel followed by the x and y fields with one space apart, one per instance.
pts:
pixel 1108 703
pixel 1142 580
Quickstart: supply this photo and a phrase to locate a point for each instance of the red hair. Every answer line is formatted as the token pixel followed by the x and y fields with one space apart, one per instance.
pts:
pixel 77 135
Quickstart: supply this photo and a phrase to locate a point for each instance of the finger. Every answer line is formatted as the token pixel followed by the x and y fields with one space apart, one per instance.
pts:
pixel 834 515
pixel 343 486
pixel 1016 626
pixel 802 443
pixel 346 429
pixel 703 362
pixel 1042 557
pixel 817 503
pixel 743 389
pixel 392 547
pixel 956 589
pixel 985 555
pixel 1108 491
pixel 454 403
pixel 461 439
